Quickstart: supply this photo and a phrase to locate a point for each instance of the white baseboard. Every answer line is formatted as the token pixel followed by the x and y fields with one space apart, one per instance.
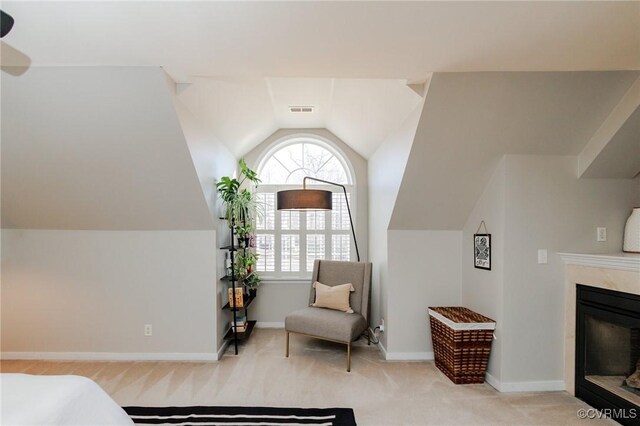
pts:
pixel 404 356
pixel 409 356
pixel 538 386
pixel 263 324
pixel 223 347
pixel 110 356
pixel 382 349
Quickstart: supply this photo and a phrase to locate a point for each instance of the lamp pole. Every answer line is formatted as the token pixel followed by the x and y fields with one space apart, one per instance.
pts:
pixel 346 199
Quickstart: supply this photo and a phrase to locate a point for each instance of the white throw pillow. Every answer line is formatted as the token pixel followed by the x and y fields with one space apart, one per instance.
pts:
pixel 336 297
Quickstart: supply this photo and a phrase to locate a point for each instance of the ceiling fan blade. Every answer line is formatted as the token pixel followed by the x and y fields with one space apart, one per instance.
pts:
pixel 13 61
pixel 6 23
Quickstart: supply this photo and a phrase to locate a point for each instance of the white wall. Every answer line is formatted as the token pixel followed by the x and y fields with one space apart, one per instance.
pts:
pixel 211 160
pixel 537 202
pixel 93 291
pixel 482 290
pixel 424 270
pixel 279 298
pixel 386 168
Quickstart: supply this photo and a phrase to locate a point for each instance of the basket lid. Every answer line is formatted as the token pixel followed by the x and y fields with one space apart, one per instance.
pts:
pixel 461 318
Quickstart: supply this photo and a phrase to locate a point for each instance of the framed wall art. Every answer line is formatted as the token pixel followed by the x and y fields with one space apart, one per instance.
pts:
pixel 482 248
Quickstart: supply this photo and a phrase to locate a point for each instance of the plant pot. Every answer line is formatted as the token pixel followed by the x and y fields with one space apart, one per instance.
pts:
pixel 253 292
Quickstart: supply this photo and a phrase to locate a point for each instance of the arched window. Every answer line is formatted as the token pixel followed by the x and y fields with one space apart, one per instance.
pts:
pixel 289 241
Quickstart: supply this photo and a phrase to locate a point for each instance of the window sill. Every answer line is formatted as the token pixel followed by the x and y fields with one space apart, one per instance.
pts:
pixel 286 280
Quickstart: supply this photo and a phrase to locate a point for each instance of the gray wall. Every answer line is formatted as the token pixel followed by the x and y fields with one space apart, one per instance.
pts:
pixel 386 167
pixel 548 207
pixel 106 152
pixel 424 270
pixel 211 160
pixel 93 291
pixel 542 205
pixel 114 153
pixel 482 290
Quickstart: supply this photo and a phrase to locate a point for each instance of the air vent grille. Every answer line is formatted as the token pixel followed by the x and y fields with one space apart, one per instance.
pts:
pixel 300 109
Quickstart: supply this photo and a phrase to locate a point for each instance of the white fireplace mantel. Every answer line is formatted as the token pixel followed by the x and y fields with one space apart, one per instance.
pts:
pixel 620 261
pixel 615 271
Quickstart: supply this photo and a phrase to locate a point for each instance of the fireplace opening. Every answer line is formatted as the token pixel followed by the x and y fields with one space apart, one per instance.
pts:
pixel 608 350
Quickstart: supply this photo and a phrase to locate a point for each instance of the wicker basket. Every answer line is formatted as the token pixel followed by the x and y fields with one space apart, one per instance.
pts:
pixel 461 343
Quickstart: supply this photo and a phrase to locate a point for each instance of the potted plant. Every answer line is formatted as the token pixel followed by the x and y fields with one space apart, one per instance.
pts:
pixel 243 233
pixel 240 204
pixel 253 282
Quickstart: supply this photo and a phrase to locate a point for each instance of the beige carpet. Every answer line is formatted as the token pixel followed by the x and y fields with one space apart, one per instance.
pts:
pixel 380 392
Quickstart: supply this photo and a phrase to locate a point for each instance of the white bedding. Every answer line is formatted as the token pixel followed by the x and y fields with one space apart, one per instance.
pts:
pixel 56 400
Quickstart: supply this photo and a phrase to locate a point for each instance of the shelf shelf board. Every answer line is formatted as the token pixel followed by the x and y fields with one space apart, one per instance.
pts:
pixel 241 336
pixel 247 301
pixel 234 248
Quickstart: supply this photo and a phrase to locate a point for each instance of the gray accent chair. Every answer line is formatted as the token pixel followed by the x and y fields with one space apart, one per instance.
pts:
pixel 328 324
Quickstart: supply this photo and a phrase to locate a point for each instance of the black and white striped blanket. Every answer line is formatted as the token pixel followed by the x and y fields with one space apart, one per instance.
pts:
pixel 241 416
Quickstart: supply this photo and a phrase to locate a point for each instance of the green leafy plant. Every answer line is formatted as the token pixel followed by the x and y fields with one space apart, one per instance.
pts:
pixel 253 281
pixel 239 201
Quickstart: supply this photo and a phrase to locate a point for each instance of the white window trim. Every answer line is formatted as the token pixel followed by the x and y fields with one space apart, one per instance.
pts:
pixel 303 275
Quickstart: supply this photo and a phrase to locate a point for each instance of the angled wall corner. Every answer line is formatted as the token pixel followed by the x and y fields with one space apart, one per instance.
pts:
pixel 614 149
pixel 113 225
pixel 96 148
pixel 470 120
pixel 211 159
pixel 386 168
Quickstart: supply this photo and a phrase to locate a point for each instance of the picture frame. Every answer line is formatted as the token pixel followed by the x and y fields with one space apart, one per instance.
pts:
pixel 482 251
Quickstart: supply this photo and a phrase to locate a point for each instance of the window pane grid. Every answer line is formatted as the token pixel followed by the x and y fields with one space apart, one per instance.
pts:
pixel 341 247
pixel 315 220
pixel 267 220
pixel 315 249
pixel 288 242
pixel 290 253
pixel 265 249
pixel 289 220
pixel 340 214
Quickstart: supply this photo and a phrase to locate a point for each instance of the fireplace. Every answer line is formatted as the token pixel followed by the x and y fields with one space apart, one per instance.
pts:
pixel 608 352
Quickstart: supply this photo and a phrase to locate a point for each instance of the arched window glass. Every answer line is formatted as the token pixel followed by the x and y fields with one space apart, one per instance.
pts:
pixel 292 162
pixel 289 241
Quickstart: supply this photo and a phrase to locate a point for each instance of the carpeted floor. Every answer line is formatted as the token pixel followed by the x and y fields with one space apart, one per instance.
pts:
pixel 380 392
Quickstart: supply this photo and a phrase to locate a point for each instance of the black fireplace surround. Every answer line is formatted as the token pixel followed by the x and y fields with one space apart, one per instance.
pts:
pixel 608 352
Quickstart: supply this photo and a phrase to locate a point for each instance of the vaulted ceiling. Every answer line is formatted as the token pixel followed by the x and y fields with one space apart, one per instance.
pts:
pixel 244 63
pixel 243 112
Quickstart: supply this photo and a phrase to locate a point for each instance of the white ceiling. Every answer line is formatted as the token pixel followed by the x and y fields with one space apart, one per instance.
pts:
pixel 330 39
pixel 248 61
pixel 244 112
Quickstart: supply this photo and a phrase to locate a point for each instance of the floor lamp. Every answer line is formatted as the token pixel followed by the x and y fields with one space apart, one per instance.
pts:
pixel 314 199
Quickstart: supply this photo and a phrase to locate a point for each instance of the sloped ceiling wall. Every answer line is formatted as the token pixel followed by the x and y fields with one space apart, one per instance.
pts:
pixel 459 138
pixel 621 157
pixel 107 152
pixel 242 112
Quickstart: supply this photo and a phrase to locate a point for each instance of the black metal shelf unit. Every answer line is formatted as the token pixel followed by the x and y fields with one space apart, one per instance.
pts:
pixel 232 334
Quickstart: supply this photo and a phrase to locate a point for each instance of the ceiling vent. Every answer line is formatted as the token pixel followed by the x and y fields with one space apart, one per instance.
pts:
pixel 300 109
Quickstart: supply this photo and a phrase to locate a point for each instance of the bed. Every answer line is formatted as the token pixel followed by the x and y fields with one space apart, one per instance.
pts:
pixel 56 400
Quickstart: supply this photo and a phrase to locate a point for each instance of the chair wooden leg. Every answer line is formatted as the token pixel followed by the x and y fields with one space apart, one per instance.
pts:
pixel 287 345
pixel 348 357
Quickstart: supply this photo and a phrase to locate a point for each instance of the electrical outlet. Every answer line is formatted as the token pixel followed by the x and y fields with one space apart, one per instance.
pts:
pixel 542 256
pixel 601 234
pixel 148 330
pixel 382 325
